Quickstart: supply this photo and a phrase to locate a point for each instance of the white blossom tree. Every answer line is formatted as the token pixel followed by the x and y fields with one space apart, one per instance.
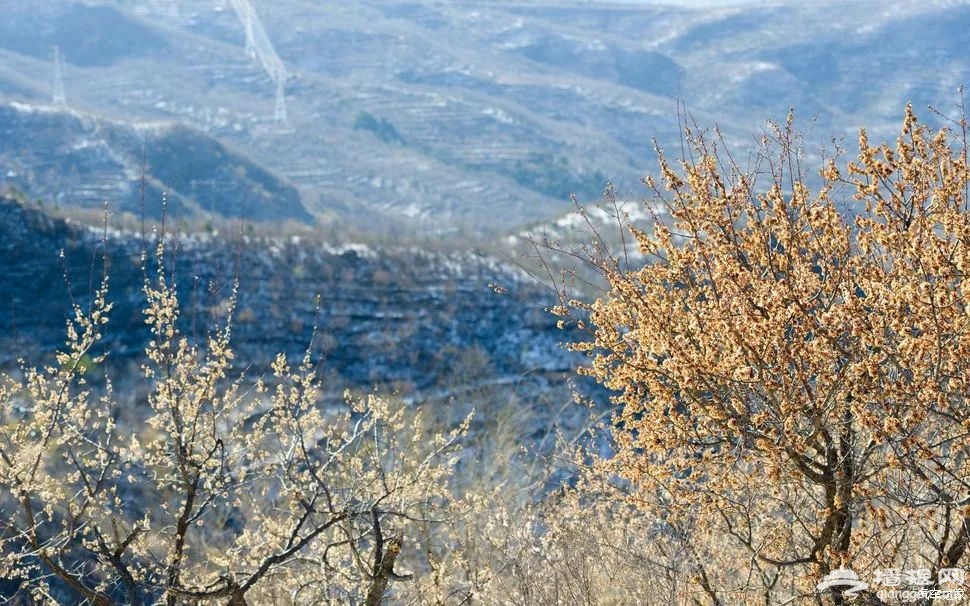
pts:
pixel 229 488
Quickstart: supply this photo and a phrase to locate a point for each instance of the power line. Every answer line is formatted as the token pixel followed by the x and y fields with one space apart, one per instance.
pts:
pixel 259 46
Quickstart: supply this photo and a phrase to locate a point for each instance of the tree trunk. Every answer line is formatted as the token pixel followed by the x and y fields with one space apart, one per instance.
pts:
pixel 384 570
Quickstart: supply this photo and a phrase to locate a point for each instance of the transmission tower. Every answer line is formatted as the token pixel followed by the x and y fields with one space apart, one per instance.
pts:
pixel 250 49
pixel 259 47
pixel 58 97
pixel 279 114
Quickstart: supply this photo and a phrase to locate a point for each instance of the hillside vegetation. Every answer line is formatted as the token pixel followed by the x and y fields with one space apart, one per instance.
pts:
pixel 786 373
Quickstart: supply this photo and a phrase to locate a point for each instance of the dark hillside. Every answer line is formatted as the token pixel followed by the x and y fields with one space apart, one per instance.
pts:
pixel 402 318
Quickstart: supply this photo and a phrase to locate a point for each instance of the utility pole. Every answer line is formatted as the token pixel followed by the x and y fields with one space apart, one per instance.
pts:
pixel 58 98
pixel 280 112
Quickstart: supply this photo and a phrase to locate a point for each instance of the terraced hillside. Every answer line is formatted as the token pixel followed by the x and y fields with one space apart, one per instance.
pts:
pixel 422 324
pixel 431 118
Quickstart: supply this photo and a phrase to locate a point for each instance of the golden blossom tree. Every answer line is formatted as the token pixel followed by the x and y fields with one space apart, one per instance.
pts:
pixel 791 368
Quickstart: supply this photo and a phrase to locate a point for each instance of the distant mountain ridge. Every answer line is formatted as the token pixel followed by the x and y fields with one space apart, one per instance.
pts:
pixel 486 113
pixel 77 160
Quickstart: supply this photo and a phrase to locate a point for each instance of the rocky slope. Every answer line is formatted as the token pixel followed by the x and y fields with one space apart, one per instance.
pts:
pixel 76 160
pixel 407 320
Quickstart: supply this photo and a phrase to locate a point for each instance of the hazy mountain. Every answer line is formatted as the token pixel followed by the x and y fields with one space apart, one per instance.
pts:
pixel 77 160
pixel 432 117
